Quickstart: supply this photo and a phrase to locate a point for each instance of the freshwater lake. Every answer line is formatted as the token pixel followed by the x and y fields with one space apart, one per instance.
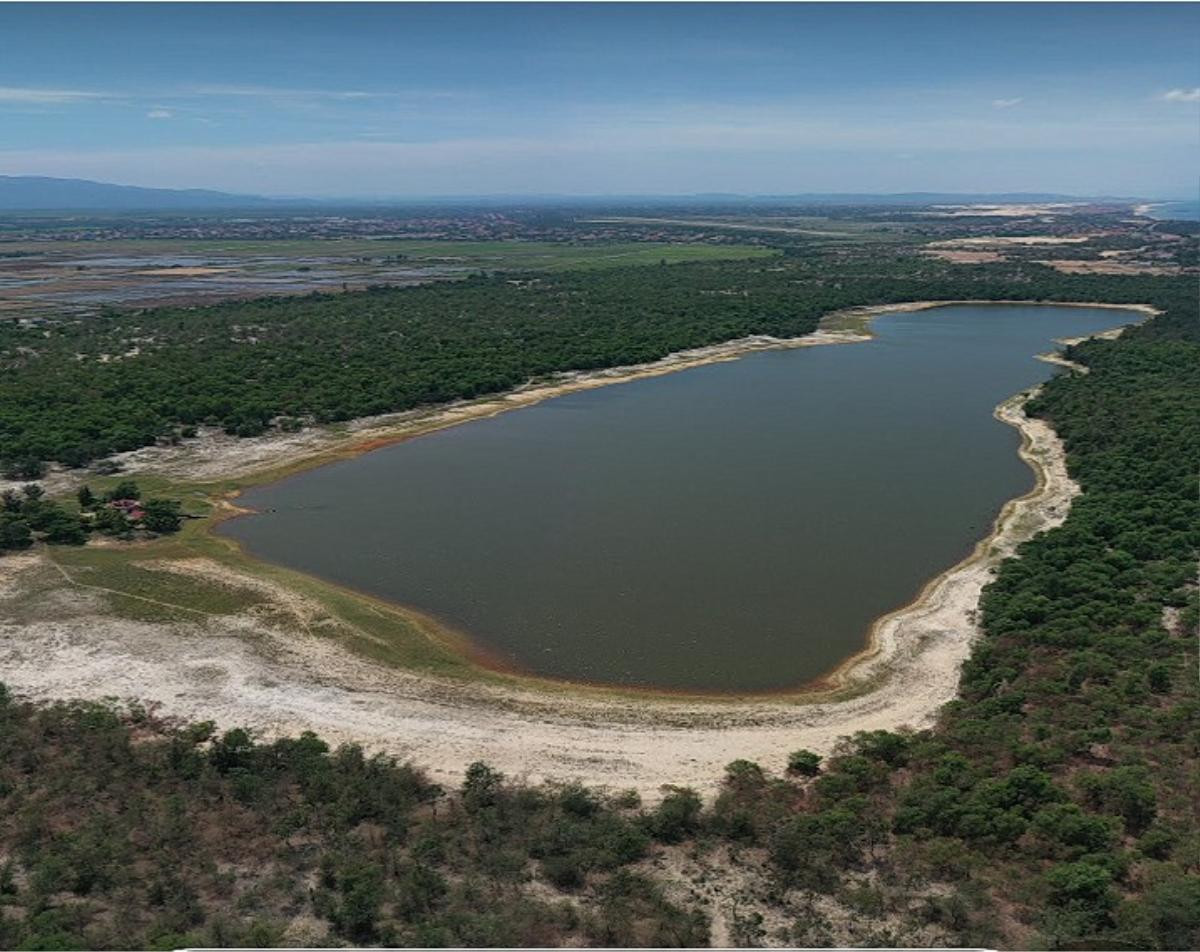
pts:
pixel 736 527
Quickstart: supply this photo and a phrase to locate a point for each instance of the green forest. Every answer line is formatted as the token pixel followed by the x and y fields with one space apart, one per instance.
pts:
pixel 76 390
pixel 1053 805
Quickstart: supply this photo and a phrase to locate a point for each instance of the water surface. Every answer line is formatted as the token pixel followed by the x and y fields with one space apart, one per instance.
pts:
pixel 735 527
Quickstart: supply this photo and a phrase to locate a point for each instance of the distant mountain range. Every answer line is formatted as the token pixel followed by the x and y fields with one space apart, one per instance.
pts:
pixel 41 193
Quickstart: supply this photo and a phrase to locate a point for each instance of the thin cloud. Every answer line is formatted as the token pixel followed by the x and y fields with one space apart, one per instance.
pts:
pixel 284 92
pixel 160 114
pixel 1007 103
pixel 275 92
pixel 596 163
pixel 1183 95
pixel 22 94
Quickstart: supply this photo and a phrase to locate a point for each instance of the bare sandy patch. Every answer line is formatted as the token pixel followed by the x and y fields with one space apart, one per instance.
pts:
pixel 194 272
pixel 1105 266
pixel 1000 241
pixel 1026 210
pixel 964 257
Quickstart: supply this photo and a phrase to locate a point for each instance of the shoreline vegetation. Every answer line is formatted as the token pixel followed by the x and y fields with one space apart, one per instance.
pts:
pixel 602 735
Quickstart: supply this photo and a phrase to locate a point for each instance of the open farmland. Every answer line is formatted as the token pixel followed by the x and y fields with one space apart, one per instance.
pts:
pixel 43 278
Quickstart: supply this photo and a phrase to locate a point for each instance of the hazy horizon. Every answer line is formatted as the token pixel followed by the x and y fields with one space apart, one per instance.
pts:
pixel 917 196
pixel 421 101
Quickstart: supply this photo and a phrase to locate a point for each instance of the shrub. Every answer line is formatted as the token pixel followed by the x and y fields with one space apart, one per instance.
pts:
pixel 565 872
pixel 1083 889
pixel 676 816
pixel 61 527
pixel 24 468
pixel 744 775
pixel 126 489
pixel 481 786
pixel 804 762
pixel 161 515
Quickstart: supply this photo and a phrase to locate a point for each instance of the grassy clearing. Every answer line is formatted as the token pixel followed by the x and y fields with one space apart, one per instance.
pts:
pixel 798 226
pixel 139 589
pixel 125 574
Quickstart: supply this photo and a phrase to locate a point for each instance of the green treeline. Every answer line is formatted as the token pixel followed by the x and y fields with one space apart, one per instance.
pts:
pixel 28 516
pixel 74 391
pixel 130 834
pixel 1060 789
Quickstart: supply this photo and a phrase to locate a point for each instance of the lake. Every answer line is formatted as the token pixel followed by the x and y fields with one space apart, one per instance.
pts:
pixel 735 527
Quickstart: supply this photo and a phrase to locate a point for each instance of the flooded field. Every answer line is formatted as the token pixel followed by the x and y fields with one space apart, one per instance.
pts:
pixel 48 283
pixel 52 278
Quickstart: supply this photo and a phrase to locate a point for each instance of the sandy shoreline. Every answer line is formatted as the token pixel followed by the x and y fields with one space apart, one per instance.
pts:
pixel 214 456
pixel 239 670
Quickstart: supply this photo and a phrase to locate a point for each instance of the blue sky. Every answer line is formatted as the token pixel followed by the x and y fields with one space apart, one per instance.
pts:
pixel 459 99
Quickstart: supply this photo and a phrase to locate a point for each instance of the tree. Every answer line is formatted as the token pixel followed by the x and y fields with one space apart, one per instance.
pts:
pixel 1159 678
pixel 87 499
pixel 566 872
pixel 744 775
pixel 233 751
pixel 361 887
pixel 676 816
pixel 1125 791
pixel 885 746
pixel 62 528
pixel 812 848
pixel 1083 889
pixel 804 762
pixel 1170 912
pixel 126 489
pixel 26 468
pixel 110 521
pixel 161 515
pixel 14 532
pixel 1074 831
pixel 481 786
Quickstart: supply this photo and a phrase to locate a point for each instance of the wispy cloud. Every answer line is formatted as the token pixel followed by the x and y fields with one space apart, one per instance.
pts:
pixel 590 147
pixel 674 159
pixel 275 92
pixel 38 96
pixel 160 114
pixel 1182 95
pixel 20 94
pixel 1007 103
pixel 285 92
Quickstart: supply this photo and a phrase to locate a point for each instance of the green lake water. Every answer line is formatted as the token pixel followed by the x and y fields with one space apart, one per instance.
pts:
pixel 732 528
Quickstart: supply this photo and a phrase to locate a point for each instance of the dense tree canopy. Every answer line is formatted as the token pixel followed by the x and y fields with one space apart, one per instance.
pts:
pixel 1058 793
pixel 76 390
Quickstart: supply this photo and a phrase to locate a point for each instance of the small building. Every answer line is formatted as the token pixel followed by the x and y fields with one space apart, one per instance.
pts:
pixel 130 508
